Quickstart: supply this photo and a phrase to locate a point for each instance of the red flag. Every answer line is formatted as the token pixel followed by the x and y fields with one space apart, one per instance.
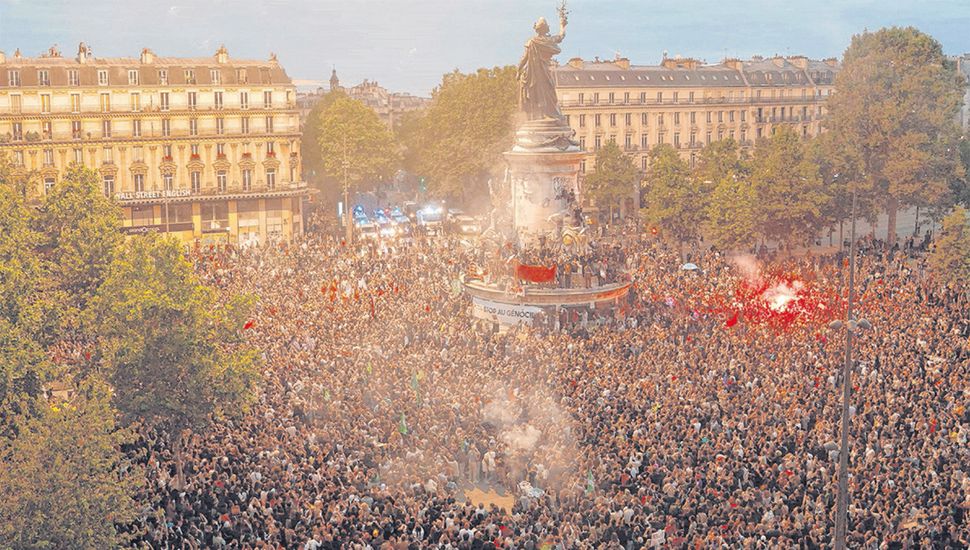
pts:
pixel 249 324
pixel 427 309
pixel 535 273
pixel 87 355
pixel 732 321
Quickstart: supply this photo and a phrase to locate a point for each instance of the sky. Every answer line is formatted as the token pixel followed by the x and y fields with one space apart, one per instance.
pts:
pixel 407 45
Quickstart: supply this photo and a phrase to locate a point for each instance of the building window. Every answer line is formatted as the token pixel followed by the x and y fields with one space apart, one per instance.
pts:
pixel 693 139
pixel 132 77
pixel 193 126
pixel 269 124
pixel 243 100
pixel 597 142
pixel 720 116
pixel 79 156
pixel 193 97
pixel 195 179
pixel 612 119
pixel 643 163
pixel 708 138
pixel 18 131
pixel 167 151
pixel 582 166
pixel 596 97
pixel 268 99
pixel 247 180
pixel 108 182
pixel 194 149
pixel 271 179
pixel 596 120
pixel 15 104
pixel 643 119
pixel 13 78
pixel 163 101
pixel 45 103
pixel 163 77
pixel 220 125
pixel 581 97
pixel 643 97
pixel 190 76
pixel 48 157
pixel 166 127
pixel 742 116
pixel 108 155
pixel 628 119
pixel 217 99
pixel 106 128
pixel 730 116
pixel 102 77
pixel 216 76
pixel 168 181
pixel 43 77
pixel 241 77
pixel 72 77
pixel 75 103
pixel 690 97
pixel 582 121
pixel 105 103
pixel 221 181
pixel 676 118
pixel 744 134
pixel 660 119
pixel 611 96
pixel 220 149
pixel 244 125
pixel 628 141
pixel 135 102
pixel 139 182
pixel 660 97
pixel 18 158
pixel 136 128
pixel 677 140
pixel 710 118
pixel 270 148
pixel 644 141
pixel 47 130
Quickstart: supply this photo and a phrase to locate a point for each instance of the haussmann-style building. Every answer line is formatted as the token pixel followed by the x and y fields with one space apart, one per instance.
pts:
pixel 206 149
pixel 687 104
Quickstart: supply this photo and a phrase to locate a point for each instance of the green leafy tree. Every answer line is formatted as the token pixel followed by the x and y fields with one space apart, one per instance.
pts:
pixel 81 237
pixel 718 160
pixel 960 183
pixel 65 482
pixel 614 179
pixel 674 203
pixel 24 371
pixel 731 213
pixel 173 347
pixel 790 193
pixel 893 114
pixel 950 260
pixel 457 142
pixel 356 148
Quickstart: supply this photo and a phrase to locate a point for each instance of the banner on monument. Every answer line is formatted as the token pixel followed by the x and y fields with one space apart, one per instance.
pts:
pixel 506 314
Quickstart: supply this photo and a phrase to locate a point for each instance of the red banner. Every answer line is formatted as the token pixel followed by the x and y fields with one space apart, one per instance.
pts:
pixel 535 273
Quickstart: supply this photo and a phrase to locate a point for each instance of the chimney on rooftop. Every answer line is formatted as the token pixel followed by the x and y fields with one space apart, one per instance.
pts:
pixel 622 62
pixel 147 56
pixel 3 57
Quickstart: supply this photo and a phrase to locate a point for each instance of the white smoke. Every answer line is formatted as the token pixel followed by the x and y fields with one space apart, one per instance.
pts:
pixel 781 296
pixel 522 437
pixel 748 265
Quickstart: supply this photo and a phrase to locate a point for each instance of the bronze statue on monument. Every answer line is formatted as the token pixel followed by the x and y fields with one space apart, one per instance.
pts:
pixel 537 89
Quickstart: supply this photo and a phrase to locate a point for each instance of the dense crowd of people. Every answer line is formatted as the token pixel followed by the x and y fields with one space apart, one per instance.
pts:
pixel 384 402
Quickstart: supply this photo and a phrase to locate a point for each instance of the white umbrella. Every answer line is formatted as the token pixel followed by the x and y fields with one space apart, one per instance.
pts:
pixel 689 267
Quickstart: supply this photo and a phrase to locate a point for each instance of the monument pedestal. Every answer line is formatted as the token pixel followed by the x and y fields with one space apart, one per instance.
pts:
pixel 544 173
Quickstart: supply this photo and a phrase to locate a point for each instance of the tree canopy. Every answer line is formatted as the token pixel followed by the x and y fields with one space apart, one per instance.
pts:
pixel 950 260
pixel 673 202
pixel 614 178
pixel 353 143
pixel 893 115
pixel 457 142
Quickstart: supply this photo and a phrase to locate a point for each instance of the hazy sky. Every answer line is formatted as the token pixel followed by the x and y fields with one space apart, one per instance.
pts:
pixel 407 45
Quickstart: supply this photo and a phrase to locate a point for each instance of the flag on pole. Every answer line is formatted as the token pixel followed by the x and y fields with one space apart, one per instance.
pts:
pixel 403 426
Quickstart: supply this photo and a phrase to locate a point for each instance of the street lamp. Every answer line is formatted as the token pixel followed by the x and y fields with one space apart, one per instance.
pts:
pixel 851 324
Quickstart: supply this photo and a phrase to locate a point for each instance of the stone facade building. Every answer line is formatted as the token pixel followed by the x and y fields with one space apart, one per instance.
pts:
pixel 688 104
pixel 206 149
pixel 389 106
